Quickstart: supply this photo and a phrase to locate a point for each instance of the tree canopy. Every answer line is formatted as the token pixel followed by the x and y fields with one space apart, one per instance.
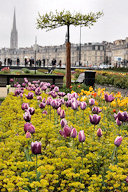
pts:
pixel 51 21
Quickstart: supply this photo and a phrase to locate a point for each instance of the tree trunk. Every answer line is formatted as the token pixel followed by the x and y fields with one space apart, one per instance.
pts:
pixel 68 60
pixel 68 65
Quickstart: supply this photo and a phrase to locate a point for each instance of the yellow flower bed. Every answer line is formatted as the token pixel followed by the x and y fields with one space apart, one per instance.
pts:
pixel 60 164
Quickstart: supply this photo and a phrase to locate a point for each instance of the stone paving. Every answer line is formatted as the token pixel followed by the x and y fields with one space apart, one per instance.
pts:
pixel 3 91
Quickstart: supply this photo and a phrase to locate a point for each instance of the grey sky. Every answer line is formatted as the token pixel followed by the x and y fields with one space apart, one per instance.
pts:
pixel 113 25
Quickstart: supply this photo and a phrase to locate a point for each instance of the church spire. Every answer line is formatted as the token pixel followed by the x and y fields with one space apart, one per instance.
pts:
pixel 14 34
pixel 14 21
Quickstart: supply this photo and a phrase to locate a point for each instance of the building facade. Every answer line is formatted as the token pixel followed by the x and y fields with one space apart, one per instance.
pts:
pixel 88 54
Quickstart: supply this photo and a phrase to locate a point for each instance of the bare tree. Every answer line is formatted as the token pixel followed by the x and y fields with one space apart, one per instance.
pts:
pixel 51 21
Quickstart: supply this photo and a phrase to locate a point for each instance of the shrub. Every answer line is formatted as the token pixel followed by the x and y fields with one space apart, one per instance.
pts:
pixel 25 70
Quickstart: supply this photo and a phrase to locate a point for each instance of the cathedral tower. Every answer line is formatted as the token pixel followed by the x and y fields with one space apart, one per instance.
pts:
pixel 14 35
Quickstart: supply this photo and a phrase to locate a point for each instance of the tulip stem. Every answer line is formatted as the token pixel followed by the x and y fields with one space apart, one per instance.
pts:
pixel 54 116
pixel 73 144
pixel 82 154
pixel 36 167
pixel 83 118
pixel 114 154
pixel 50 112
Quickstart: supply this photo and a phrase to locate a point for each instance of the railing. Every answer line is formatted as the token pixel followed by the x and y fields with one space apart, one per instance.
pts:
pixel 53 79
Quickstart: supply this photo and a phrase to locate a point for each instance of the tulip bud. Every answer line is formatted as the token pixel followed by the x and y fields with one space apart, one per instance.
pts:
pixel 39 98
pixel 81 136
pixel 99 132
pixel 118 122
pixel 28 135
pixel 42 105
pixel 73 133
pixel 63 123
pixel 83 105
pixel 67 131
pixel 109 98
pixel 95 119
pixel 36 147
pixel 91 101
pixel 27 116
pixel 74 105
pixel 31 129
pixel 96 110
pixel 25 106
pixel 118 141
pixel 44 112
pixel 62 114
pixel 59 110
pixel 31 110
pixel 126 179
pixel 26 125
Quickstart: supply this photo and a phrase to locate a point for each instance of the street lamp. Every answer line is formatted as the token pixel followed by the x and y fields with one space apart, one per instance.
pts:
pixel 35 49
pixel 80 49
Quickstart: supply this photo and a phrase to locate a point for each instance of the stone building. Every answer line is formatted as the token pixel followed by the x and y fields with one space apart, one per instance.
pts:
pixel 88 54
pixel 119 53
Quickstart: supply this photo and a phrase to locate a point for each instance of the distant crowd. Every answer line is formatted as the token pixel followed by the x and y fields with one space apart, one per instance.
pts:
pixel 29 62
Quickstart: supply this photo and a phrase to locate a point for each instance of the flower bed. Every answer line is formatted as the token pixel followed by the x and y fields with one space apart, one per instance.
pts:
pixel 116 79
pixel 81 140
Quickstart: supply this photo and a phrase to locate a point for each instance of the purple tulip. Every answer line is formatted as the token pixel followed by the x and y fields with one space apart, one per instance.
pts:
pixel 53 103
pixel 42 105
pixel 126 179
pixel 28 135
pixel 27 116
pixel 74 105
pixel 83 105
pixel 56 89
pixel 36 147
pixel 109 98
pixel 30 95
pixel 95 119
pixel 118 141
pixel 73 133
pixel 31 110
pixel 52 87
pixel 62 114
pixel 25 106
pixel 21 95
pixel 11 80
pixel 61 94
pixel 31 129
pixel 25 80
pixel 81 136
pixel 91 101
pixel 122 116
pixel 26 125
pixel 37 91
pixel 96 110
pixel 75 95
pixel 44 88
pixel 45 112
pixel 39 98
pixel 49 100
pixel 99 132
pixel 66 131
pixel 68 103
pixel 63 123
pixel 59 110
pixel 118 122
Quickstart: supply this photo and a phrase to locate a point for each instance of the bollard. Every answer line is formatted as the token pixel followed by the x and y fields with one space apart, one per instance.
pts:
pixel 90 78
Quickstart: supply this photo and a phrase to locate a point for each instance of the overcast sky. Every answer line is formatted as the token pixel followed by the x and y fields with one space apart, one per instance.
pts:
pixel 112 26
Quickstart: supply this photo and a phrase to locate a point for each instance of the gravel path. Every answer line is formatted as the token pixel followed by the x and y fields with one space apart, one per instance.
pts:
pixel 124 92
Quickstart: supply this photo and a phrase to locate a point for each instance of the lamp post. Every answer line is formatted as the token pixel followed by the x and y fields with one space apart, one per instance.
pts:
pixel 35 49
pixel 80 49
